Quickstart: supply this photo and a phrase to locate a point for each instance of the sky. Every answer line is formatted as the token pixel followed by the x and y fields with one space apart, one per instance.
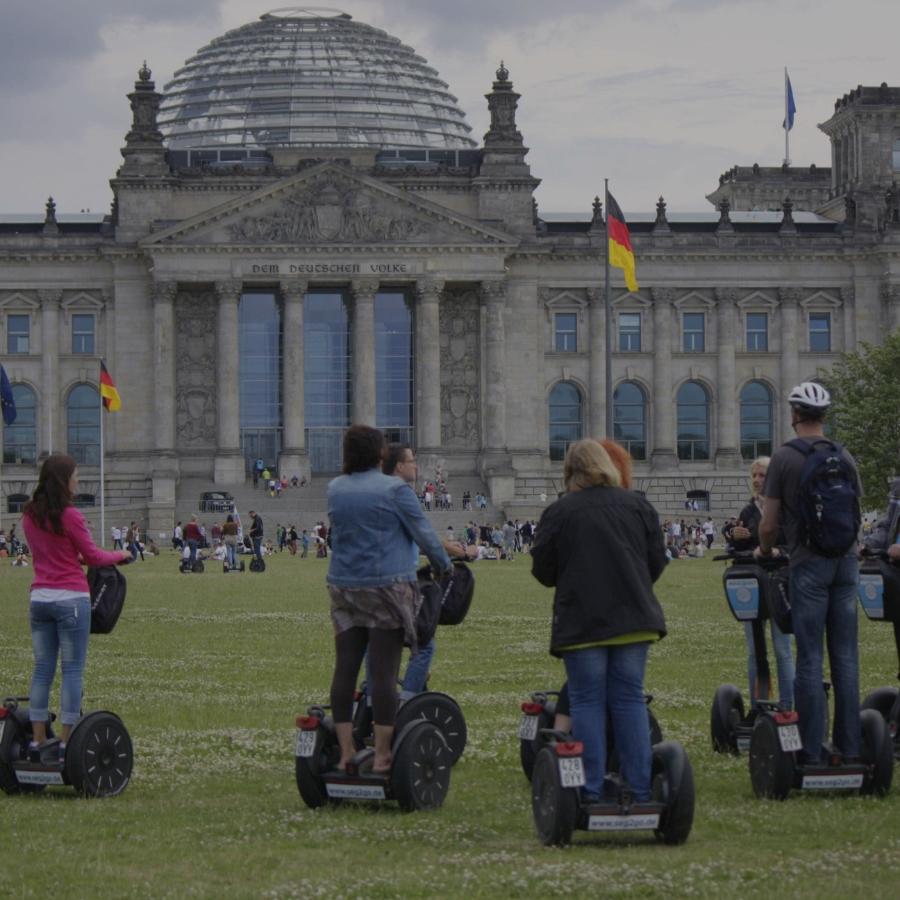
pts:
pixel 659 96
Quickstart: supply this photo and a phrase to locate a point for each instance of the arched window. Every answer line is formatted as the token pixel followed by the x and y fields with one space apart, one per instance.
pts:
pixel 756 420
pixel 83 416
pixel 693 421
pixel 20 438
pixel 565 418
pixel 630 418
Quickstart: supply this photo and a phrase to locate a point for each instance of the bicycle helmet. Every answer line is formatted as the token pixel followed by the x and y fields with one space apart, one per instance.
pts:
pixel 809 395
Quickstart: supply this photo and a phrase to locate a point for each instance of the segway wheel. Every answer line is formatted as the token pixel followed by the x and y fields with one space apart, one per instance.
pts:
pixel 726 714
pixel 198 566
pixel 99 756
pixel 441 710
pixel 13 746
pixel 882 700
pixel 673 785
pixel 225 568
pixel 877 752
pixel 771 768
pixel 554 808
pixel 420 771
pixel 309 769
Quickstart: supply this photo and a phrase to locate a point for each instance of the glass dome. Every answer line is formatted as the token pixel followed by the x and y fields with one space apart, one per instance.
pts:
pixel 309 77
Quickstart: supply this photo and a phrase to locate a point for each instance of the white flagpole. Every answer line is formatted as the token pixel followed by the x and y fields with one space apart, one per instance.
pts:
pixel 102 479
pixel 787 129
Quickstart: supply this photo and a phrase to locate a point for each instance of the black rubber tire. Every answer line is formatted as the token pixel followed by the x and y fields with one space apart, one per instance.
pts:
pixel 198 566
pixel 771 769
pixel 441 710
pixel 882 700
pixel 727 710
pixel 308 769
pixel 99 756
pixel 877 751
pixel 673 784
pixel 528 750
pixel 420 770
pixel 553 807
pixel 13 746
pixel 257 565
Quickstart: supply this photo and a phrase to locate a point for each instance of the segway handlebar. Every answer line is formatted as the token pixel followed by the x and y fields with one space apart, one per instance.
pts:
pixel 766 562
pixel 868 553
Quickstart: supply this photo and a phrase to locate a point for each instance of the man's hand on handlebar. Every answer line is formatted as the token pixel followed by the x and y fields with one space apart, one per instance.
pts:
pixel 774 553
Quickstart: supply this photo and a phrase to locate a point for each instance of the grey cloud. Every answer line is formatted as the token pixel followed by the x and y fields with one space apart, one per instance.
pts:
pixel 40 39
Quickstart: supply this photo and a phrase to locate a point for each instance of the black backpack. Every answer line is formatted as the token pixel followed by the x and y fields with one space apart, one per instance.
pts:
pixel 827 499
pixel 108 588
pixel 429 612
pixel 458 587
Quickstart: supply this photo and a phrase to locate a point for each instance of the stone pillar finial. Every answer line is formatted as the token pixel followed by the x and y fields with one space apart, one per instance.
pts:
pixel 724 208
pixel 502 103
pixel 661 212
pixel 50 223
pixel 144 152
pixel 597 212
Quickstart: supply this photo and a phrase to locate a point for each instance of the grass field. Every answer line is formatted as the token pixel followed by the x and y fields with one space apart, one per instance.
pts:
pixel 208 672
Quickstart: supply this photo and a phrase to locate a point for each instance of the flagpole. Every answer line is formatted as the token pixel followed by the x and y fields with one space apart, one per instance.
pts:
pixel 608 325
pixel 102 479
pixel 787 129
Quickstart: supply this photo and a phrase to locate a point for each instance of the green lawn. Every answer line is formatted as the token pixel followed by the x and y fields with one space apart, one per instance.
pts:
pixel 208 672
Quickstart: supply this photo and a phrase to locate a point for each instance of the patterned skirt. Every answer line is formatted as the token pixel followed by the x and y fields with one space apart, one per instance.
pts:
pixel 388 607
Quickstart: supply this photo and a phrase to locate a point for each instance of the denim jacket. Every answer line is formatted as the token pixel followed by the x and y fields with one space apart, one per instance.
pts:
pixel 375 520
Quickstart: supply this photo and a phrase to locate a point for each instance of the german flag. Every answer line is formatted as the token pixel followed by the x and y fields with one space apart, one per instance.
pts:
pixel 108 390
pixel 621 255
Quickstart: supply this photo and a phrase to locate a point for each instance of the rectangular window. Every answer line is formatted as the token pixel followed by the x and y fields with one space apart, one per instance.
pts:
pixel 693 328
pixel 17 334
pixel 565 327
pixel 629 332
pixel 820 332
pixel 83 334
pixel 757 332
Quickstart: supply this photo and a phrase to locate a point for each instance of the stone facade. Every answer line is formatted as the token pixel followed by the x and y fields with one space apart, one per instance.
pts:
pixel 488 280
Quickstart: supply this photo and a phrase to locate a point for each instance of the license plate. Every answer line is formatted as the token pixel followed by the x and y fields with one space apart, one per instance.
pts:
pixel 27 776
pixel 836 782
pixel 306 743
pixel 528 728
pixel 355 791
pixel 571 771
pixel 639 822
pixel 789 738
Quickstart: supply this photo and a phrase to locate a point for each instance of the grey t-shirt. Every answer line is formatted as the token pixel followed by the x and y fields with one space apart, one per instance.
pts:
pixel 783 483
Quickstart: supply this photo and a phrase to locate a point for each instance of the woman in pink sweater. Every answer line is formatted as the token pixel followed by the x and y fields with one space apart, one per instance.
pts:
pixel 60 610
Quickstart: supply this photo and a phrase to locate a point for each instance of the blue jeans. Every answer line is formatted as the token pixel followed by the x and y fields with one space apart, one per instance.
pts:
pixel 611 679
pixel 230 555
pixel 417 671
pixel 192 547
pixel 823 603
pixel 784 661
pixel 257 547
pixel 61 625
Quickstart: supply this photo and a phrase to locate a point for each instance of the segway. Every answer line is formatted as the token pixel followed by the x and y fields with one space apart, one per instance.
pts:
pixel 420 771
pixel 776 767
pixel 237 567
pixel 433 706
pixel 187 567
pixel 98 757
pixel 558 809
pixel 257 564
pixel 750 585
pixel 879 596
pixel 539 713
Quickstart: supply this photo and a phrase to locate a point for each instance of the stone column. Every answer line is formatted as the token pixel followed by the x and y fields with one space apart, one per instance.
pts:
pixel 165 468
pixel 52 441
pixel 790 353
pixel 228 467
pixel 663 455
pixel 293 459
pixel 494 294
pixel 891 293
pixel 597 377
pixel 364 291
pixel 428 364
pixel 727 440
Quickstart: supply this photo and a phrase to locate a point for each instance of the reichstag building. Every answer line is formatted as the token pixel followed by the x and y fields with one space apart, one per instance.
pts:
pixel 305 234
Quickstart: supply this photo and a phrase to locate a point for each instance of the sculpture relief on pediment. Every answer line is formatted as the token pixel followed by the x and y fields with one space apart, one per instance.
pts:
pixel 330 213
pixel 195 363
pixel 460 321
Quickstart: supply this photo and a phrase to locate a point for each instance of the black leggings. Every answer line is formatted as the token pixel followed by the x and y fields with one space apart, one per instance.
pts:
pixel 385 648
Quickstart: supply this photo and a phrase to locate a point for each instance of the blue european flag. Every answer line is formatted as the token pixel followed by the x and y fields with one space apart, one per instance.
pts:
pixel 789 105
pixel 7 401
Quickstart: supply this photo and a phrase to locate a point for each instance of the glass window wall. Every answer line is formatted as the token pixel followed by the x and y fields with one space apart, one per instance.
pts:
pixel 394 367
pixel 20 438
pixel 756 420
pixel 83 418
pixel 693 421
pixel 566 419
pixel 630 418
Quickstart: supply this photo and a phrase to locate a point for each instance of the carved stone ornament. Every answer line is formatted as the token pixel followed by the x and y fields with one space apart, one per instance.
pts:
pixel 460 373
pixel 790 296
pixel 331 213
pixel 195 362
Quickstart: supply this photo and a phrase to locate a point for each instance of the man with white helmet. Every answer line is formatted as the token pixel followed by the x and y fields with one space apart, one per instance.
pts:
pixel 812 488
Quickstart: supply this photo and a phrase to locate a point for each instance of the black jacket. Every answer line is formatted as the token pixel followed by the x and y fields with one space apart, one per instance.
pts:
pixel 256 527
pixel 751 517
pixel 602 548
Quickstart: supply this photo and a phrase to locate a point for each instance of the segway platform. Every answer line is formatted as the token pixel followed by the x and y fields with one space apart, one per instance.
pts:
pixel 420 770
pixel 98 758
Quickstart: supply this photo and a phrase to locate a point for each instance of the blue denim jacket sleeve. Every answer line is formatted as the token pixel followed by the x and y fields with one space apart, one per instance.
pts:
pixel 419 527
